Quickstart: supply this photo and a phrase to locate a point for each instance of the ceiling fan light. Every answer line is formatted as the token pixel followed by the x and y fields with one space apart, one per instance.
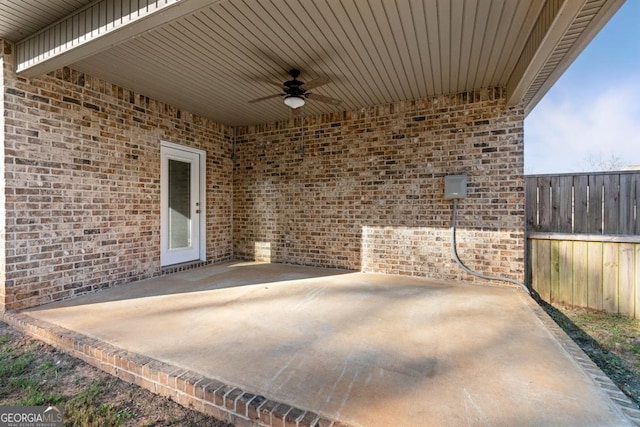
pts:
pixel 294 101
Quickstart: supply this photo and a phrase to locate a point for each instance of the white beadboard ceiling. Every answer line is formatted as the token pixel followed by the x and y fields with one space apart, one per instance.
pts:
pixel 213 58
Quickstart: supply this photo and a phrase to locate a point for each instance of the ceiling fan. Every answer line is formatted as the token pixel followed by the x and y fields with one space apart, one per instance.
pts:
pixel 295 91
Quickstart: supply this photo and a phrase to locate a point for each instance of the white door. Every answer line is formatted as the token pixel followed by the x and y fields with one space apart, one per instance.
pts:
pixel 181 208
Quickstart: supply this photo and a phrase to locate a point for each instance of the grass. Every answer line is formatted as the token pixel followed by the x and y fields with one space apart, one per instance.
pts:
pixel 611 341
pixel 16 373
pixel 22 374
pixel 35 374
pixel 84 409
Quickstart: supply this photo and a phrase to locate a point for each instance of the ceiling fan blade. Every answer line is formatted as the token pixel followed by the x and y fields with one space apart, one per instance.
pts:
pixel 260 79
pixel 324 99
pixel 315 83
pixel 265 98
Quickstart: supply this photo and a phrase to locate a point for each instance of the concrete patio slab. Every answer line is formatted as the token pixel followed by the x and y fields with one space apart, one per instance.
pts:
pixel 306 345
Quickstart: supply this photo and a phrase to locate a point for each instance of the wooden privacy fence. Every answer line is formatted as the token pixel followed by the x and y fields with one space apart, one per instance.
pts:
pixel 583 234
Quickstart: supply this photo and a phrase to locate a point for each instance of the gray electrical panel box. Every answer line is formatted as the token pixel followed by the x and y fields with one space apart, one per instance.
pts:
pixel 455 187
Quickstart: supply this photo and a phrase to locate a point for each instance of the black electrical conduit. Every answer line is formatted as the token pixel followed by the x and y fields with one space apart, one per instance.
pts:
pixel 464 267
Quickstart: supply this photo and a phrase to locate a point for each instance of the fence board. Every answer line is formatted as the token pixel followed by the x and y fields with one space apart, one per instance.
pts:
pixel 531 202
pixel 611 215
pixel 565 204
pixel 580 192
pixel 599 275
pixel 580 274
pixel 544 203
pixel 627 204
pixel 555 203
pixel 594 275
pixel 542 265
pixel 595 204
pixel 637 282
pixel 626 280
pixel 554 276
pixel 636 181
pixel 610 265
pixel 565 272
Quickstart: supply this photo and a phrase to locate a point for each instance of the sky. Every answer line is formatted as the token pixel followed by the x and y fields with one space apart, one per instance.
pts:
pixel 590 119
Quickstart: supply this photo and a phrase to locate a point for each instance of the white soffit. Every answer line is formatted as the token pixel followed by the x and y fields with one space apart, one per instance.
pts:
pixel 209 57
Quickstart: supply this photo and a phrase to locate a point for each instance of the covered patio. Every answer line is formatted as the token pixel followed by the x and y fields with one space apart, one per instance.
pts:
pixel 357 314
pixel 273 344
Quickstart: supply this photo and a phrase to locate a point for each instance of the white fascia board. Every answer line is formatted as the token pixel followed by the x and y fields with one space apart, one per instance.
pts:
pixel 604 15
pixel 541 64
pixel 552 23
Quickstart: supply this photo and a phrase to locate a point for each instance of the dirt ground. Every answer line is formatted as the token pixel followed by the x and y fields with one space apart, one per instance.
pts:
pixel 35 374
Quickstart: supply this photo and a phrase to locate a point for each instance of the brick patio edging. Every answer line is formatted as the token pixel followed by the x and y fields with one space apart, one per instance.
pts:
pixel 188 388
pixel 620 400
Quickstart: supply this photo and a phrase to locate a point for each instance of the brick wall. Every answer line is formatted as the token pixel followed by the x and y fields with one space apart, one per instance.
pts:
pixel 360 190
pixel 364 189
pixel 82 166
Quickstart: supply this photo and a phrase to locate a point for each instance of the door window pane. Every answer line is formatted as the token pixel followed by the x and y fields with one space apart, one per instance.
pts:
pixel 179 204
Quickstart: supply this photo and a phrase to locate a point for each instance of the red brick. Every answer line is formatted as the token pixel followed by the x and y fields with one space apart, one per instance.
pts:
pixel 230 399
pixel 254 406
pixel 265 411
pixel 113 170
pixel 365 194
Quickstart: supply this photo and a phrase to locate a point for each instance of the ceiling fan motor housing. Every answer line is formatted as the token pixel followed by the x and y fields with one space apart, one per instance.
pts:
pixel 295 91
pixel 293 87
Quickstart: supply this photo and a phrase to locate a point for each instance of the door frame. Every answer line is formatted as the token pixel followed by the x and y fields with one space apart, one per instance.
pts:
pixel 202 216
